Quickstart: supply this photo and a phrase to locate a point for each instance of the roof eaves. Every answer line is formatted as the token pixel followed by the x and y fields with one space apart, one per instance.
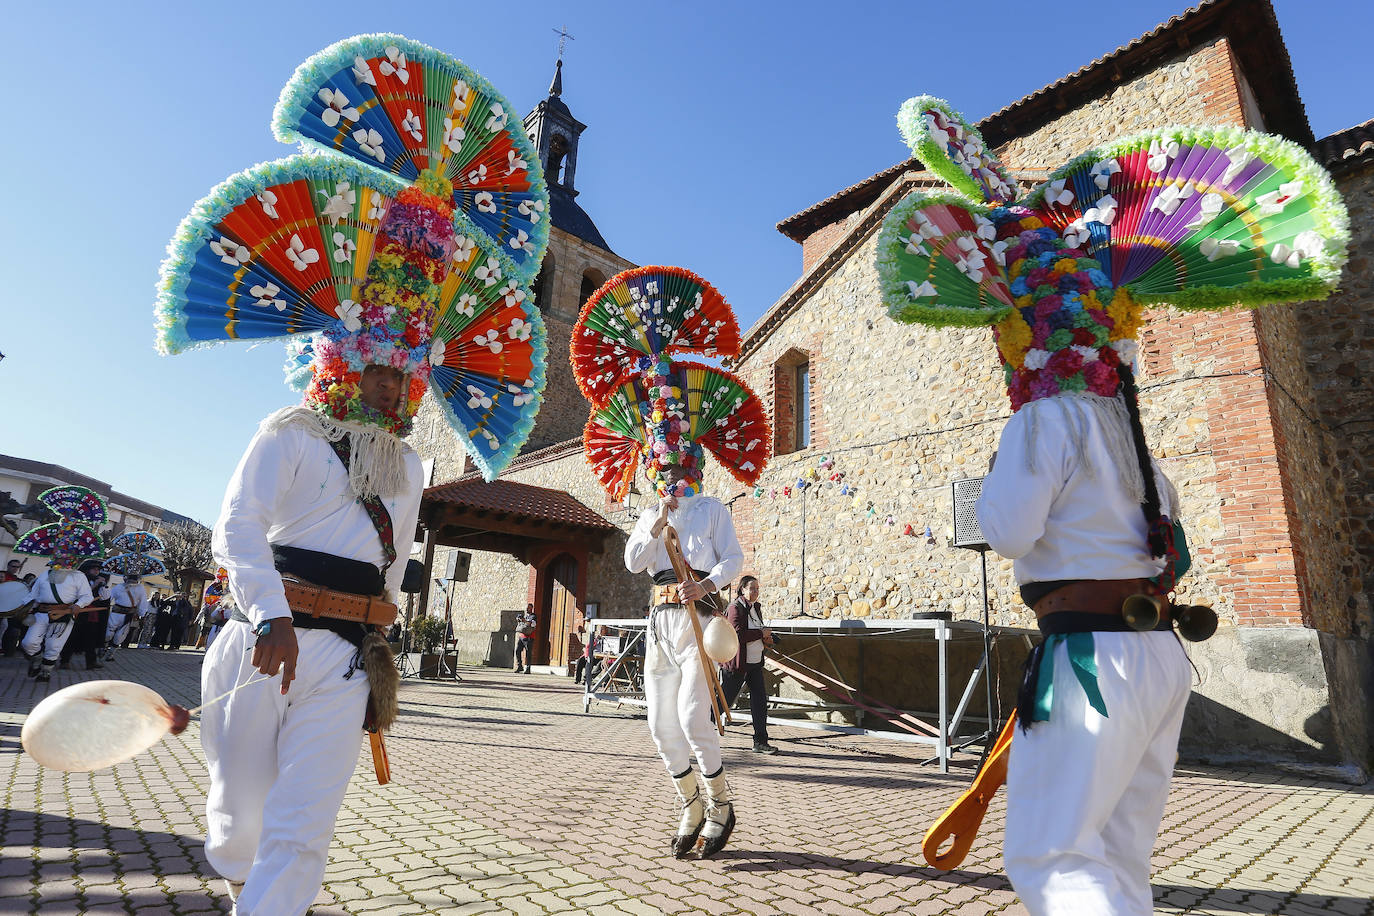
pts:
pixel 1346 149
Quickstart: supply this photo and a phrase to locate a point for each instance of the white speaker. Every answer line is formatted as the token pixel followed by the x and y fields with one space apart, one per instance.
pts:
pixel 966 530
pixel 458 564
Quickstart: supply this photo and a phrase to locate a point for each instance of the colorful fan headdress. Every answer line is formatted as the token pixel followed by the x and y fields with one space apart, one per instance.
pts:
pixel 73 537
pixel 136 561
pixel 1196 218
pixel 649 408
pixel 406 240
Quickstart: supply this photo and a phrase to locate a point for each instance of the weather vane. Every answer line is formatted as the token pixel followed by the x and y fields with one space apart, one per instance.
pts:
pixel 563 36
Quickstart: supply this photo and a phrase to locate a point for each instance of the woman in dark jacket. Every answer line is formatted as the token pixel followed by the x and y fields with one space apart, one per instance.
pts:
pixel 746 617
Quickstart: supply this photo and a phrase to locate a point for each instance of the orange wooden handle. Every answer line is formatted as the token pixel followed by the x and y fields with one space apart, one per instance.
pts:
pixel 961 821
pixel 380 762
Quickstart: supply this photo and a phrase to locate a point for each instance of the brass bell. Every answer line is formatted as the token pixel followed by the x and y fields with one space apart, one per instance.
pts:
pixel 1143 612
pixel 1195 622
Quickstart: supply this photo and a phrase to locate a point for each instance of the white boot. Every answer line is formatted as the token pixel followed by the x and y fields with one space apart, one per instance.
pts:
pixel 720 815
pixel 693 814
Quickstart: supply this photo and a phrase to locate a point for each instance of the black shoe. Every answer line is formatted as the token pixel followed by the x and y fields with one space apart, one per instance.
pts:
pixel 713 845
pixel 94 665
pixel 43 676
pixel 683 845
pixel 763 747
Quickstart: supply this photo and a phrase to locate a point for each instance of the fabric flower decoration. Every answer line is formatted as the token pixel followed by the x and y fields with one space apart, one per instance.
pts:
pixel 1057 194
pixel 485 202
pixel 1160 155
pixel 411 125
pixel 230 252
pixel 512 292
pixel 437 351
pixel 1208 208
pixel 531 208
pixel 343 248
pixel 370 142
pixel 1103 171
pixel 1275 201
pixel 466 304
pixel 453 135
pixel 491 340
pixel 519 329
pixel 1168 200
pixel 336 107
pixel 489 273
pixel 514 163
pixel 362 72
pixel 266 296
pixel 376 207
pixel 1218 248
pixel 1104 211
pixel 268 199
pixel 478 398
pixel 477 175
pixel 462 248
pixel 349 312
pixel 460 93
pixel 395 64
pixel 520 240
pixel 498 118
pixel 523 395
pixel 299 255
pixel 1238 159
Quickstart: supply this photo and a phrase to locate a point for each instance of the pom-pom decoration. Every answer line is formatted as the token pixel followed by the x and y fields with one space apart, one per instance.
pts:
pixel 138 542
pixel 403 108
pixel 96 724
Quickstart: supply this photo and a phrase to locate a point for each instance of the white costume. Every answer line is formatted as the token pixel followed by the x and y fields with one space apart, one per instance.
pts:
pixel 674 685
pixel 48 636
pixel 128 603
pixel 1085 793
pixel 279 765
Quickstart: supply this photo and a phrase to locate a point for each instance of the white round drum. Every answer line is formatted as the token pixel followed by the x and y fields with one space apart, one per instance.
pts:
pixel 13 596
pixel 720 640
pixel 96 724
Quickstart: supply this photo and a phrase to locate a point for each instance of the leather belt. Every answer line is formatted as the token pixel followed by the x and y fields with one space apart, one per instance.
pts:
pixel 325 602
pixel 1093 596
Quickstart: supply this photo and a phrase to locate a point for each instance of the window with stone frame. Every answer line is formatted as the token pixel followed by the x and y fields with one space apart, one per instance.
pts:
pixel 544 284
pixel 792 402
pixel 592 280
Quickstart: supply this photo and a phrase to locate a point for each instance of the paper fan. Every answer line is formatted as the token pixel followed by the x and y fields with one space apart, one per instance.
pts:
pixel 953 148
pixel 137 542
pixel 66 538
pixel 647 312
pixel 1202 218
pixel 402 107
pixel 489 355
pixel 939 263
pixel 135 564
pixel 723 415
pixel 75 503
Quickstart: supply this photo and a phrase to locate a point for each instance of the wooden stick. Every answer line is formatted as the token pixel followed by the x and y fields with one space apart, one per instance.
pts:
pixel 961 822
pixel 708 667
pixel 380 762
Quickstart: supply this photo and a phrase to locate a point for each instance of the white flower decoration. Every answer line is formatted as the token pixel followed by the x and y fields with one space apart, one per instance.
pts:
pixel 349 313
pixel 999 252
pixel 460 93
pixel 485 202
pixel 436 352
pixel 986 230
pixel 498 117
pixel 491 340
pixel 1171 197
pixel 915 244
pixel 268 199
pixel 231 253
pixel 1076 233
pixel 1160 155
pixel 1103 171
pixel 395 63
pixel 1036 359
pixel 532 209
pixel 336 106
pixel 1104 211
pixel 1057 194
pixel 266 296
pixel 1309 244
pixel 478 398
pixel 1275 201
pixel 376 207
pixel 370 142
pixel 489 273
pixel 512 293
pixel 1089 354
pixel 477 175
pixel 462 248
pixel 514 163
pixel 341 204
pixel 523 394
pixel 343 248
pixel 1208 208
pixel 923 291
pixel 453 135
pixel 299 255
pixel 520 241
pixel 1216 248
pixel 362 72
pixel 1238 159
pixel 466 304
pixel 1282 254
pixel 411 125
pixel 519 329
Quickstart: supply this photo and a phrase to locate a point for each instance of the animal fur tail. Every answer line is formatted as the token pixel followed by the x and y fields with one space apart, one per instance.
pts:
pixel 383 680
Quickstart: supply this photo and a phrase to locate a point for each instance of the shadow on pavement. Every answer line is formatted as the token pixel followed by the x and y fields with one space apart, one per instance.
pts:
pixel 762 860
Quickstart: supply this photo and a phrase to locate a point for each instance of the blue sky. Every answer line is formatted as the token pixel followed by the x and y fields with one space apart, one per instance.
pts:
pixel 707 123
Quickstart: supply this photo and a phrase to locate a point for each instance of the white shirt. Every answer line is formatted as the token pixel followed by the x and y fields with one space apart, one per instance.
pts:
pixel 74 588
pixel 126 599
pixel 1059 523
pixel 291 489
pixel 706 533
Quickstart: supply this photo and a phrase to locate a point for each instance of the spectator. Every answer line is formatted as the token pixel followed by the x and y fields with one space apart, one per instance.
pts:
pixel 524 638
pixel 746 667
pixel 162 627
pixel 183 612
pixel 12 569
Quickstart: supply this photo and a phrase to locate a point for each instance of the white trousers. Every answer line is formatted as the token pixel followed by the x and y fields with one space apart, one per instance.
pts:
pixel 279 766
pixel 1085 795
pixel 118 627
pixel 678 698
pixel 47 636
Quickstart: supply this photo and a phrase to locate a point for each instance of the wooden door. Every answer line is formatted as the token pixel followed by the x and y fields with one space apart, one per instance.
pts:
pixel 562 577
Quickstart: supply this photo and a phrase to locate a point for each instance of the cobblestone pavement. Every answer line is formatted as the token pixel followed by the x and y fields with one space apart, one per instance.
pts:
pixel 507 799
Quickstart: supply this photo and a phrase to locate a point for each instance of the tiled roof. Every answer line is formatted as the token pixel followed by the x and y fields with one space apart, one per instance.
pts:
pixel 521 501
pixel 1347 147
